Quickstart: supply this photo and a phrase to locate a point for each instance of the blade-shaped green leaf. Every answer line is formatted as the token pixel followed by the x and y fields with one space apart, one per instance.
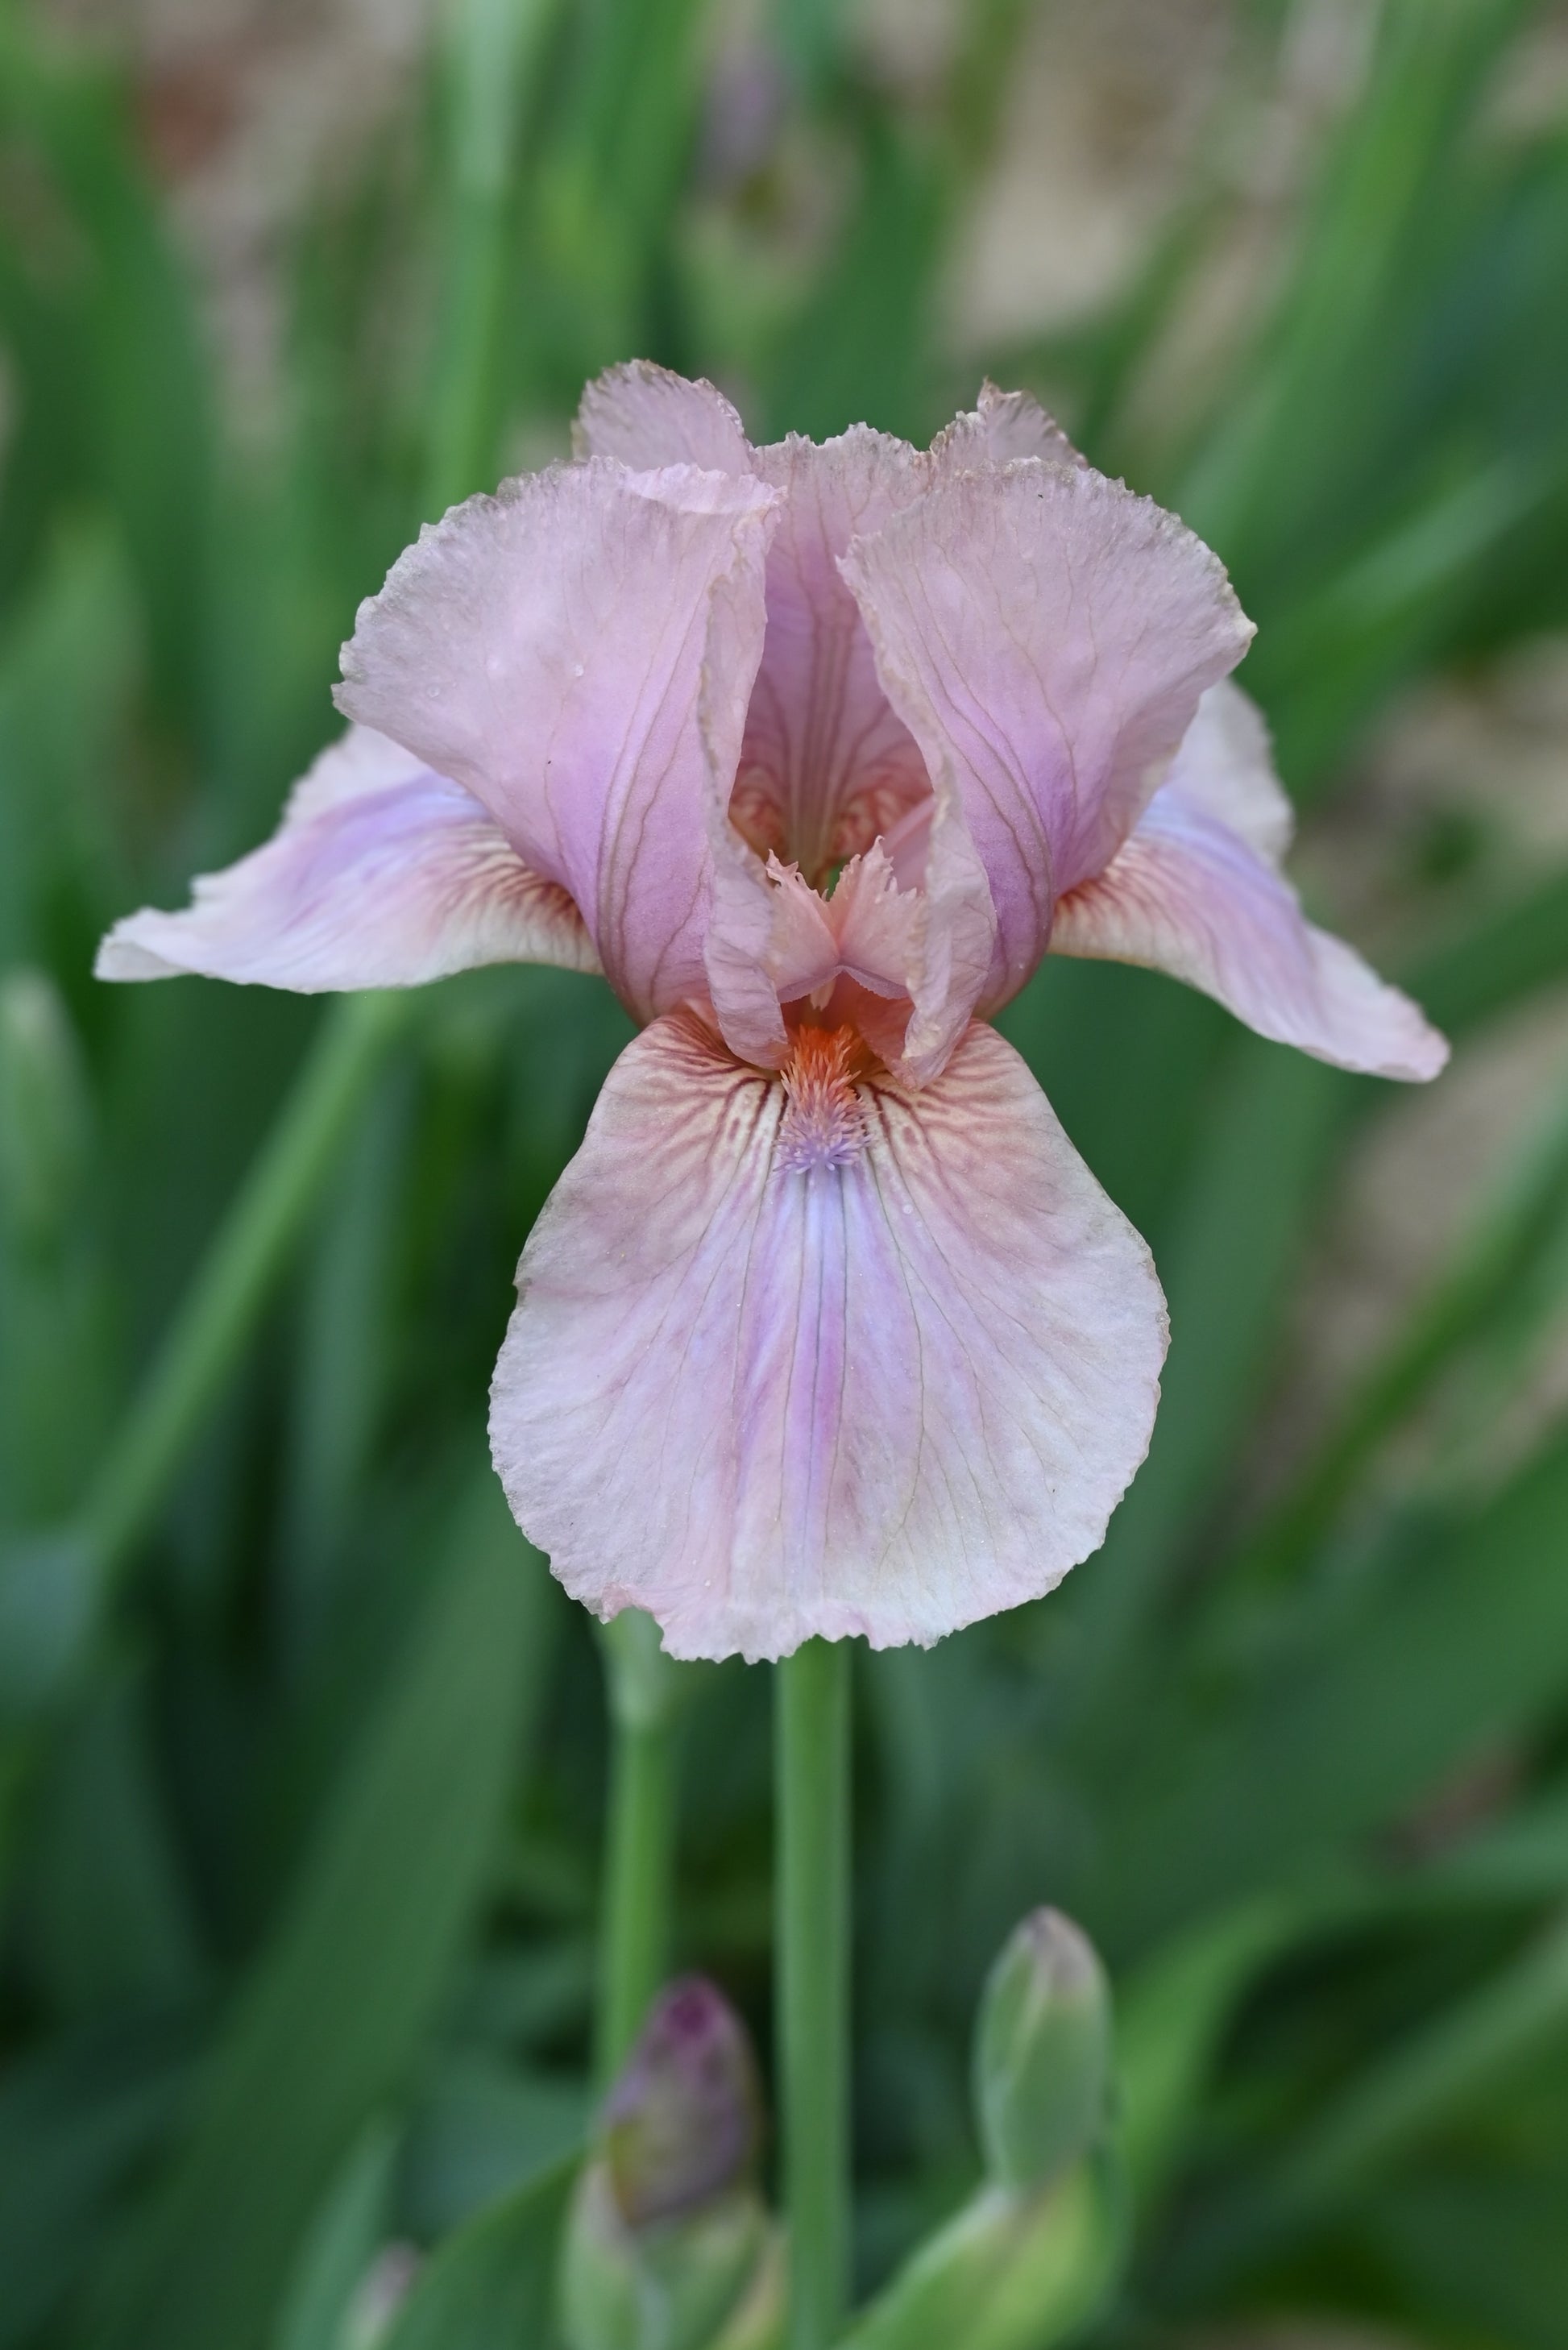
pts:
pixel 338 2004
pixel 1457 1648
pixel 492 2286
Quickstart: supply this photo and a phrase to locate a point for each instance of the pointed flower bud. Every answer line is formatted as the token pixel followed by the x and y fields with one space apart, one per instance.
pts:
pixel 682 2124
pixel 667 2237
pixel 1042 2051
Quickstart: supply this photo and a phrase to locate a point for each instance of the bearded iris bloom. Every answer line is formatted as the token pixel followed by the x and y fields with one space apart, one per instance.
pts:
pixel 814 752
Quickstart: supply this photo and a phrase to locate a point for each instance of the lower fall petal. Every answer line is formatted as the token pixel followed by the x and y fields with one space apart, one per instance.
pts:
pixel 821 1354
pixel 1188 895
pixel 382 874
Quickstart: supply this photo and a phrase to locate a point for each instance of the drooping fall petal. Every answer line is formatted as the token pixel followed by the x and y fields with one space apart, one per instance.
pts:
pixel 820 1354
pixel 381 874
pixel 549 648
pixel 1195 890
pixel 1225 769
pixel 1048 634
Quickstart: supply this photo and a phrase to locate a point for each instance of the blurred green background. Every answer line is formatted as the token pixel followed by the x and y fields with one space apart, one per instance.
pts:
pixel 304 1757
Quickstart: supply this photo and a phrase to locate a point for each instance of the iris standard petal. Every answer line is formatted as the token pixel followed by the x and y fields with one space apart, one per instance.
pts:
pixel 1189 894
pixel 1002 425
pixel 1049 634
pixel 381 875
pixel 826 764
pixel 821 1355
pixel 645 416
pixel 549 648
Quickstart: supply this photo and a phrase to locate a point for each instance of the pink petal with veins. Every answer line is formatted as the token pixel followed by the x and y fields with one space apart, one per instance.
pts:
pixel 1002 426
pixel 1196 891
pixel 1047 635
pixel 826 764
pixel 550 649
pixel 822 1353
pixel 644 416
pixel 381 875
pixel 1225 768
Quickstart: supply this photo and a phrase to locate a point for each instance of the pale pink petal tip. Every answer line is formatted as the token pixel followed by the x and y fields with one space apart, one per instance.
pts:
pixel 382 874
pixel 1196 891
pixel 819 1354
pixel 645 416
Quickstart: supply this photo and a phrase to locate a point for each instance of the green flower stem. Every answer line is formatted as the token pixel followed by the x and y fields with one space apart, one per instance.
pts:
pixel 642 1686
pixel 250 1251
pixel 811 1942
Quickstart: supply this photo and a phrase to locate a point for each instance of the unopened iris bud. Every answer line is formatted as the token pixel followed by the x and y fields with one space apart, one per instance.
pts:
pixel 669 2237
pixel 1042 2051
pixel 681 2123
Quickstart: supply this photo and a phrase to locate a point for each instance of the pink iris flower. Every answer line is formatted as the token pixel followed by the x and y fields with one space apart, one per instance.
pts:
pixel 814 752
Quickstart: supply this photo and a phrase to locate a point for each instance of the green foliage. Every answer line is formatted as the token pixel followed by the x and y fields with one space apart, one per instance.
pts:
pixel 302 1777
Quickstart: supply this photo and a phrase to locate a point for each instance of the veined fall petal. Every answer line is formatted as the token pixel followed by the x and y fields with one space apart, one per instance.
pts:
pixel 382 874
pixel 1195 890
pixel 820 1352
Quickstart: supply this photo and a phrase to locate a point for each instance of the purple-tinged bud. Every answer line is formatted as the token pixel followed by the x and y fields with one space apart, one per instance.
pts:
pixel 1042 2051
pixel 667 2237
pixel 682 2124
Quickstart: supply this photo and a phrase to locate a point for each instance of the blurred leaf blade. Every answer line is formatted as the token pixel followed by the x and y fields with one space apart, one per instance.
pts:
pixel 492 2284
pixel 335 2010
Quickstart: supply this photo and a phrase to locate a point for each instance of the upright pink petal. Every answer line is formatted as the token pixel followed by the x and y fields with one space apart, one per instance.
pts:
pixel 819 1354
pixel 549 648
pixel 826 764
pixel 1003 425
pixel 878 927
pixel 1048 635
pixel 382 874
pixel 1196 891
pixel 646 417
pixel 803 944
pixel 910 919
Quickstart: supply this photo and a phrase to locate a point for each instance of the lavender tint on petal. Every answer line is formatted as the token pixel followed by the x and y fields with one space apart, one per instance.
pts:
pixel 1187 896
pixel 1003 425
pixel 646 417
pixel 1197 891
pixel 883 1392
pixel 382 874
pixel 826 764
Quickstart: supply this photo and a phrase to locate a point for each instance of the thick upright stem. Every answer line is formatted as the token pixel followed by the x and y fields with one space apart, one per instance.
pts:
pixel 641 1685
pixel 812 1943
